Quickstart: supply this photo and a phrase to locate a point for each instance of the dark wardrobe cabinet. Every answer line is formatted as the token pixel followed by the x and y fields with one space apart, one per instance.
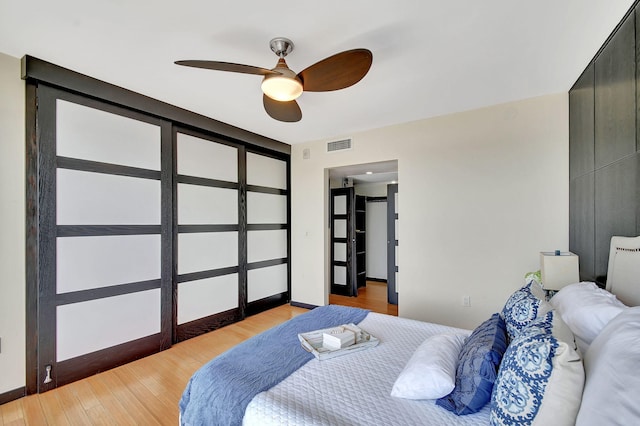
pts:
pixel 604 157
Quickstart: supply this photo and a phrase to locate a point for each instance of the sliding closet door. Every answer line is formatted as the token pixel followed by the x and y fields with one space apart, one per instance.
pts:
pixel 208 235
pixel 104 291
pixel 141 231
pixel 267 232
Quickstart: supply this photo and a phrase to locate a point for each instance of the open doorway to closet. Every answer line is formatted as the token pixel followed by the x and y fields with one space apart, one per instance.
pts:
pixel 363 236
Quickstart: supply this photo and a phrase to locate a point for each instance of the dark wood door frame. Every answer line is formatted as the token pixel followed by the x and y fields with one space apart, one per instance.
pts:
pixel 392 242
pixel 350 289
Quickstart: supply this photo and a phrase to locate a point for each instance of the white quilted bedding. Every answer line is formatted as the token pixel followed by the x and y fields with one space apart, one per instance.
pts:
pixel 355 389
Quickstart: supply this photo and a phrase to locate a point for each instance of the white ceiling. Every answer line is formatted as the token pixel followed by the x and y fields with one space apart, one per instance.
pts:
pixel 430 57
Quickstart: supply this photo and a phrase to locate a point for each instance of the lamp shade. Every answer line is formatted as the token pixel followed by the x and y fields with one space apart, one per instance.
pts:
pixel 558 269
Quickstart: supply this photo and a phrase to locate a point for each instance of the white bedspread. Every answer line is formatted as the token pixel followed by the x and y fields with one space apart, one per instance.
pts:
pixel 355 389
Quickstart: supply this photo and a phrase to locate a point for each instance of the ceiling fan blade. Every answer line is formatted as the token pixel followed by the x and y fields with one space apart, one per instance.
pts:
pixel 336 72
pixel 227 66
pixel 282 111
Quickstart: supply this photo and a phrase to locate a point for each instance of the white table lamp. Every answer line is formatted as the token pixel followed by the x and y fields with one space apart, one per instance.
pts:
pixel 558 269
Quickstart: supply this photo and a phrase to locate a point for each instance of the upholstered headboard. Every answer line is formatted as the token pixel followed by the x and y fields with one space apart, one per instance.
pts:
pixel 623 276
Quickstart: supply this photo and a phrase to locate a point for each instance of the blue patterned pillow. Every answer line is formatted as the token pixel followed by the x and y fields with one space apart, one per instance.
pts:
pixel 540 379
pixel 477 368
pixel 521 308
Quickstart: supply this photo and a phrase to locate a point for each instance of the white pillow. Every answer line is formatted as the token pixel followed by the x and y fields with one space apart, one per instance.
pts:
pixel 611 366
pixel 431 371
pixel 586 309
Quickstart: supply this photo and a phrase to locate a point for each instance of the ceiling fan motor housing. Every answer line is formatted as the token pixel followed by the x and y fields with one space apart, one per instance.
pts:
pixel 281 46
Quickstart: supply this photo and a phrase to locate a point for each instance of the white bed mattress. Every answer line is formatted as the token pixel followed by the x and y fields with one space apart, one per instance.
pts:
pixel 340 391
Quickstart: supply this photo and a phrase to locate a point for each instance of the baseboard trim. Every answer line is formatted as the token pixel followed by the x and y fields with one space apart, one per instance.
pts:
pixel 378 280
pixel 204 325
pixel 267 303
pixel 302 305
pixel 13 395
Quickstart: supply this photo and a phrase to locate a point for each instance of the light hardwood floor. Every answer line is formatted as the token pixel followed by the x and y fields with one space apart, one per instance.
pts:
pixel 373 296
pixel 147 391
pixel 144 392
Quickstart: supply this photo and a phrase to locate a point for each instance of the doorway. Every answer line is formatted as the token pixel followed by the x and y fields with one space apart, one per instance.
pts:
pixel 362 245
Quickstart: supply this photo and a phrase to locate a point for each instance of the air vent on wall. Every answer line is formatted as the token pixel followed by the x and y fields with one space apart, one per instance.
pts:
pixel 339 145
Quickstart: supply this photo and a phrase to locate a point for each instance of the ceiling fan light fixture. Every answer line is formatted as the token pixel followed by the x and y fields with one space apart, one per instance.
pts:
pixel 282 87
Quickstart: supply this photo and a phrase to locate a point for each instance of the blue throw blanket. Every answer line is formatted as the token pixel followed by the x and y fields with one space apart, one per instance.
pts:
pixel 219 392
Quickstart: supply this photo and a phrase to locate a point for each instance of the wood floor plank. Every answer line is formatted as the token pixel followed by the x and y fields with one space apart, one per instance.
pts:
pixel 71 405
pixel 164 389
pixel 124 393
pixel 33 413
pixel 52 409
pixel 165 382
pixel 214 344
pixel 84 393
pixel 12 413
pixel 181 364
pixel 160 410
pixel 18 422
pixel 100 417
pixel 109 401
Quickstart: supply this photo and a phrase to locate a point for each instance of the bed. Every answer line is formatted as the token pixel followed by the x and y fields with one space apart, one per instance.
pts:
pixel 562 361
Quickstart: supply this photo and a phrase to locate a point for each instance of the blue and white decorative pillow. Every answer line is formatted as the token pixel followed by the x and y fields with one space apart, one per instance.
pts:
pixel 521 308
pixel 540 380
pixel 477 368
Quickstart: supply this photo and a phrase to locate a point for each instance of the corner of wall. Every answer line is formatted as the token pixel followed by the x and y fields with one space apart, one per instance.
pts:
pixel 12 225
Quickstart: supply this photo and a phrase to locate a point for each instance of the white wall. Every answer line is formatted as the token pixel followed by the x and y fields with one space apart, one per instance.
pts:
pixel 12 227
pixel 483 192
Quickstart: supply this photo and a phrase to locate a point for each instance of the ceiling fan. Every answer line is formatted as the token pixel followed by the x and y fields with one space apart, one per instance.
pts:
pixel 281 86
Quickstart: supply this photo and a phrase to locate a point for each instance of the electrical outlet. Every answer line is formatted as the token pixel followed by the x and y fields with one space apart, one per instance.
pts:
pixel 466 301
